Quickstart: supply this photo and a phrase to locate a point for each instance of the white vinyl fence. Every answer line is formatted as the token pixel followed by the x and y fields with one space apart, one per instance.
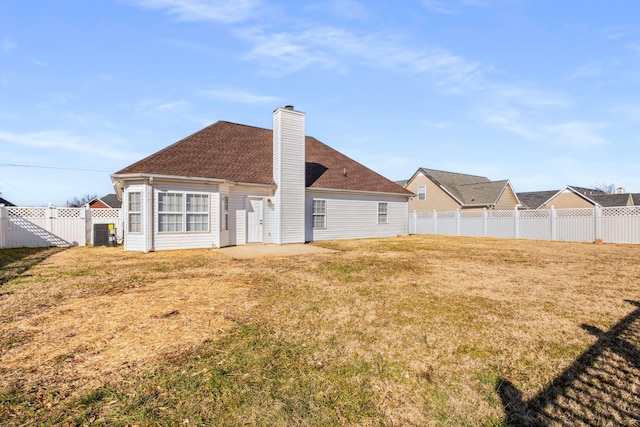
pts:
pixel 609 225
pixel 51 226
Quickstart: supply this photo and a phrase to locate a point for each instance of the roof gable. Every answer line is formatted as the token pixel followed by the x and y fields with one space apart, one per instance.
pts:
pixel 244 154
pixel 468 190
pixel 535 199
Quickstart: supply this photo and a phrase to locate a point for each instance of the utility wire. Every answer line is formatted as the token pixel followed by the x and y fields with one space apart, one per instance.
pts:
pixel 52 167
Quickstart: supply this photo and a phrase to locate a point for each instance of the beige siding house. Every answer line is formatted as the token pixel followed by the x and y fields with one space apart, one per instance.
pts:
pixel 573 197
pixel 446 191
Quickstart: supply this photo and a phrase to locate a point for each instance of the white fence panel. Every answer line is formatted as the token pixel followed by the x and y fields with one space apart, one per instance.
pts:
pixel 50 226
pixel 621 224
pixel 535 224
pixel 500 224
pixel 610 225
pixel 575 225
pixel 471 223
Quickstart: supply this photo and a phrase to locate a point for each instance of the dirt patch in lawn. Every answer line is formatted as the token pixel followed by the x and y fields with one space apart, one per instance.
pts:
pixel 86 314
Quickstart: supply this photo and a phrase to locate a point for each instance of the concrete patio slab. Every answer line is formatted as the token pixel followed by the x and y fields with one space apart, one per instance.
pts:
pixel 261 250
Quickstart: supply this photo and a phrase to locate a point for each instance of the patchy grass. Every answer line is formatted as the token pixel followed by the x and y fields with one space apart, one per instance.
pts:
pixel 420 330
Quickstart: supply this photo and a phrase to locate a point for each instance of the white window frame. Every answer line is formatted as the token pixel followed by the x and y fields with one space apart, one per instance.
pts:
pixel 383 214
pixel 224 211
pixel 316 214
pixel 134 211
pixel 184 213
pixel 422 195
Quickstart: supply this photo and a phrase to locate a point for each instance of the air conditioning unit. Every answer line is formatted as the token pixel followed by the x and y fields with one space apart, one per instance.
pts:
pixel 104 235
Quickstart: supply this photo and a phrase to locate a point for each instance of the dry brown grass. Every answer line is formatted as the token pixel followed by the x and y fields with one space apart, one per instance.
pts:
pixel 438 322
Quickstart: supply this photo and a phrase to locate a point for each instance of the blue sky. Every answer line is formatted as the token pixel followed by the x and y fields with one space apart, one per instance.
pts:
pixel 544 93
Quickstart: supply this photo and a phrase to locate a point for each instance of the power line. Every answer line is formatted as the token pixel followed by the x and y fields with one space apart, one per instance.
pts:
pixel 53 167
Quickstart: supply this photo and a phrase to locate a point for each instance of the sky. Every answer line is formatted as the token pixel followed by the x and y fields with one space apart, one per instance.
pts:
pixel 544 93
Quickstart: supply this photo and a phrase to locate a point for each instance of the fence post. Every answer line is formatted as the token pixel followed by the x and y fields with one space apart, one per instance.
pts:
pixel 516 223
pixel 552 218
pixel 458 222
pixel 88 226
pixel 4 229
pixel 50 214
pixel 484 222
pixel 435 222
pixel 597 223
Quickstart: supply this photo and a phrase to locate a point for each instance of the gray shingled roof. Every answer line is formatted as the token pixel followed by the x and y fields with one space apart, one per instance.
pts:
pixel 535 199
pixel 111 200
pixel 636 199
pixel 468 189
pixel 610 200
pixel 5 202
pixel 244 154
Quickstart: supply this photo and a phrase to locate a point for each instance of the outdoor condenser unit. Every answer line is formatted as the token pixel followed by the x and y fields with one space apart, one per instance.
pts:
pixel 104 235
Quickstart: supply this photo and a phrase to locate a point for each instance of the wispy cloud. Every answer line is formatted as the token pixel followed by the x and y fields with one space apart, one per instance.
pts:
pixel 204 10
pixel 576 134
pixel 158 106
pixel 630 111
pixel 594 69
pixel 532 98
pixel 104 147
pixel 510 121
pixel 349 9
pixel 7 45
pixel 238 96
pixel 620 31
pixel 334 48
pixel 451 7
pixel 439 6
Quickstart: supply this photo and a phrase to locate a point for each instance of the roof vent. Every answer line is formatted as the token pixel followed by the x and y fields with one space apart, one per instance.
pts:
pixel 288 107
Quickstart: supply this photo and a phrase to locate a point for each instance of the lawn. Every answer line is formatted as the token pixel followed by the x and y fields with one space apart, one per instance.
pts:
pixel 417 330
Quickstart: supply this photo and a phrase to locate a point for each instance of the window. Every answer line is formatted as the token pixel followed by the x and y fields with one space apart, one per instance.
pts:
pixel 197 212
pixel 422 192
pixel 319 214
pixel 179 212
pixel 383 217
pixel 225 213
pixel 135 213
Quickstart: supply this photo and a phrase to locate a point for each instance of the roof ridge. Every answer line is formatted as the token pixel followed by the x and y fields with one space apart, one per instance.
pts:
pixel 456 173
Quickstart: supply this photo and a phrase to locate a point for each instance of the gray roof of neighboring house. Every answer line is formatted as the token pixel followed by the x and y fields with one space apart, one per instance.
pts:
pixel 535 199
pixel 610 200
pixel 586 191
pixel 468 189
pixel 111 200
pixel 636 199
pixel 402 183
pixel 5 202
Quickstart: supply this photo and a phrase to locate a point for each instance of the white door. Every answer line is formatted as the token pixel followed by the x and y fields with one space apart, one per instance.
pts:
pixel 254 220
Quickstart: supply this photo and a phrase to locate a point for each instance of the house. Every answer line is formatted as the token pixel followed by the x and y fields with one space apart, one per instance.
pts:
pixel 106 202
pixel 446 191
pixel 573 197
pixel 6 202
pixel 232 184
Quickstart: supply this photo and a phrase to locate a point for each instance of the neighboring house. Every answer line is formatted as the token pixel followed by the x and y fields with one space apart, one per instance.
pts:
pixel 573 197
pixel 105 202
pixel 232 184
pixel 5 202
pixel 446 191
pixel 636 199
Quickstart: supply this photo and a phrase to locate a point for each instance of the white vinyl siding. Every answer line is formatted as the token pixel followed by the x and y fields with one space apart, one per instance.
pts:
pixel 319 214
pixel 355 216
pixel 383 215
pixel 178 212
pixel 422 192
pixel 135 212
